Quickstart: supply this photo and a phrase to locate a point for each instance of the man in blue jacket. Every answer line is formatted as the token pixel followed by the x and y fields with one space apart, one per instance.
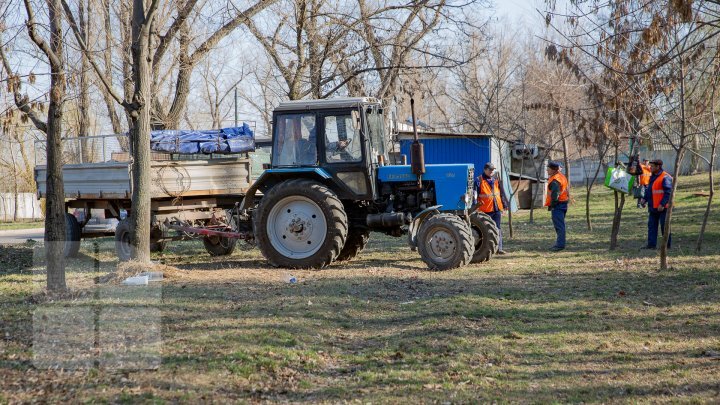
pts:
pixel 657 196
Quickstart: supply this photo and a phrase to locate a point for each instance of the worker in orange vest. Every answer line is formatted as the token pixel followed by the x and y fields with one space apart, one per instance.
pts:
pixel 491 198
pixel 556 200
pixel 657 196
pixel 643 181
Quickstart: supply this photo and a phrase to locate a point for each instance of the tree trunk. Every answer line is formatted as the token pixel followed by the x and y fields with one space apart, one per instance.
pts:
pixel 619 204
pixel 140 134
pixel 566 161
pixel 588 189
pixel 15 183
pixel 55 202
pixel 127 56
pixel 711 178
pixel 668 215
pixel 107 61
pixel 613 234
pixel 84 99
pixel 695 160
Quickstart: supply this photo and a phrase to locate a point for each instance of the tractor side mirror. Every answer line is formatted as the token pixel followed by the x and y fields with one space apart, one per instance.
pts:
pixel 355 119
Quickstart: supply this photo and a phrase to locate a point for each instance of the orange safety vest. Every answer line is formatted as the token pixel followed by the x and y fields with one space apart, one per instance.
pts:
pixel 657 190
pixel 644 177
pixel 486 196
pixel 564 194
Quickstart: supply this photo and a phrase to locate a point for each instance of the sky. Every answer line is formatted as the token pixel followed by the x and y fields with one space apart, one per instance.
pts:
pixel 523 12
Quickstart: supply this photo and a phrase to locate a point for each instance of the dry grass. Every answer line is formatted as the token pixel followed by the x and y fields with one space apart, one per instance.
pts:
pixel 583 325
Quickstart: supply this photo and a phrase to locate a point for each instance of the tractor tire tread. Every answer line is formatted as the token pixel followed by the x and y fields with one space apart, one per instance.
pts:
pixel 464 238
pixel 337 223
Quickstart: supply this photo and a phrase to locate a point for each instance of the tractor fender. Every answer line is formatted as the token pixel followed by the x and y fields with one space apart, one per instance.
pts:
pixel 270 177
pixel 415 224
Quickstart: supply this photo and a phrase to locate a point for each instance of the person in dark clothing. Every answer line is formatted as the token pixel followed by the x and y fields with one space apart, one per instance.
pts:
pixel 556 201
pixel 491 199
pixel 657 197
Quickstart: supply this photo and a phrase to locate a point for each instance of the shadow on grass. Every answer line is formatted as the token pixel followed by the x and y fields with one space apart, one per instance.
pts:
pixel 328 339
pixel 447 323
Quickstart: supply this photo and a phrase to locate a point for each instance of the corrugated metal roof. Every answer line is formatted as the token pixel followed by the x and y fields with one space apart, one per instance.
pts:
pixel 436 134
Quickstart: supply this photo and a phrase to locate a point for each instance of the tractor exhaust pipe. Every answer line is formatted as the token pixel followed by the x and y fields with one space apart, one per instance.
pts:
pixel 417 153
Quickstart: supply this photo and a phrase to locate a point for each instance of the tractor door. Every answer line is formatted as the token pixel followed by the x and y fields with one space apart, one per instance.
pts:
pixel 343 152
pixel 376 142
pixel 294 140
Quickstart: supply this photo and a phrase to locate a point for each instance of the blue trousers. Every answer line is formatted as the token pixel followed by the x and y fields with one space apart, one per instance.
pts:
pixel 656 218
pixel 497 216
pixel 558 219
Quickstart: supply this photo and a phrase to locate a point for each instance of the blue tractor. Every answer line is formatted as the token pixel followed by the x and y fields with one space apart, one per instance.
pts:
pixel 328 186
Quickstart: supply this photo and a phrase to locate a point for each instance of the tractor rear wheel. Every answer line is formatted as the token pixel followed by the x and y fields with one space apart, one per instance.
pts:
pixel 445 242
pixel 486 237
pixel 356 241
pixel 300 223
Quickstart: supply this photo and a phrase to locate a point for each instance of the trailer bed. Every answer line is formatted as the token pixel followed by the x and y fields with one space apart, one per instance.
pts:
pixel 170 179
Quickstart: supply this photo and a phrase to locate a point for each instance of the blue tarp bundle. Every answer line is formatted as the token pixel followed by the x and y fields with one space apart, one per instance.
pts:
pixel 226 140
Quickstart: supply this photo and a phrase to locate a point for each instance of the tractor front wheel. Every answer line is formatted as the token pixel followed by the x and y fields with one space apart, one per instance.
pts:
pixel 356 241
pixel 486 237
pixel 445 242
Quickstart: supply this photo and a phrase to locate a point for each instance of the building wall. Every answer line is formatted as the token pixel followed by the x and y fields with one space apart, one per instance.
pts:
pixel 668 158
pixel 28 206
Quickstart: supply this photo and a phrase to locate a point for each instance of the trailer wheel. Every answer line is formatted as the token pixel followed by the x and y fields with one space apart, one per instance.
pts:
pixel 123 247
pixel 158 232
pixel 486 237
pixel 356 241
pixel 445 242
pixel 300 223
pixel 72 236
pixel 219 246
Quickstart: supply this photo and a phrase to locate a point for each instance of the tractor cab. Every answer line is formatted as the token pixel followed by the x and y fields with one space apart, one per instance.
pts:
pixel 340 140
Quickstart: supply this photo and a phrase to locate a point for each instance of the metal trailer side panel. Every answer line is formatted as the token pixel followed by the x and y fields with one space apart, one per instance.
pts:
pixel 88 181
pixel 200 177
pixel 169 179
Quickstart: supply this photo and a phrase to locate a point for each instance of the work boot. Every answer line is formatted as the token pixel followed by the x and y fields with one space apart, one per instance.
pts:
pixel 556 248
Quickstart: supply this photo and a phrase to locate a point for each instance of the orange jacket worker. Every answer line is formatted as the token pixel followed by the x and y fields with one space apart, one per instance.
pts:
pixel 491 199
pixel 657 196
pixel 557 199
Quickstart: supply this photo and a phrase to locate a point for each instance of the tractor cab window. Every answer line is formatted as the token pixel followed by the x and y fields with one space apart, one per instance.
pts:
pixel 342 141
pixel 295 140
pixel 376 127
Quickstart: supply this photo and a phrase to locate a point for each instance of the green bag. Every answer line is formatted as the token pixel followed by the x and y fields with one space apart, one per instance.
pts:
pixel 618 179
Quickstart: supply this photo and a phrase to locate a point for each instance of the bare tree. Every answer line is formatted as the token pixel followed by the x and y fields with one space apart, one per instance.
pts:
pixel 52 48
pixel 712 136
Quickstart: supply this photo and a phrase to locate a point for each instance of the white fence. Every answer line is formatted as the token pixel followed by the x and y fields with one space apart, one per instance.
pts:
pixel 28 207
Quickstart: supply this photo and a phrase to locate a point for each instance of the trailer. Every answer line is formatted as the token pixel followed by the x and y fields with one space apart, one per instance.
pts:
pixel 313 200
pixel 187 190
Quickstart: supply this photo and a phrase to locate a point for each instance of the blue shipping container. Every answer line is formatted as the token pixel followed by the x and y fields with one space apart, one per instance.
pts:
pixel 456 149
